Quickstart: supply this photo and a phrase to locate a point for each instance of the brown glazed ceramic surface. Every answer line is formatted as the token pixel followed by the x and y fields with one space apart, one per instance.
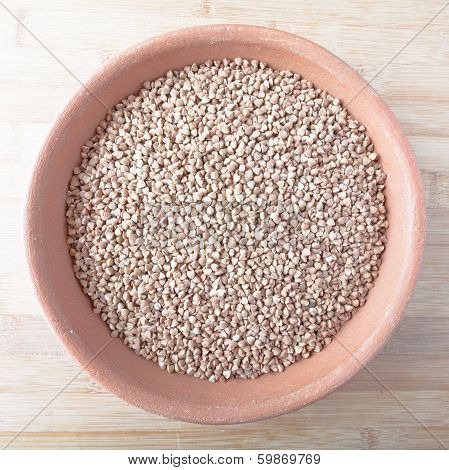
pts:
pixel 143 383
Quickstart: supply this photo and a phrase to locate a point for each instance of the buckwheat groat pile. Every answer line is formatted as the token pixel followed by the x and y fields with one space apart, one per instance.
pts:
pixel 227 220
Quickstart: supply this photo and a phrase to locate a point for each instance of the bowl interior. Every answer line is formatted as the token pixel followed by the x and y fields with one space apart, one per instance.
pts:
pixel 144 383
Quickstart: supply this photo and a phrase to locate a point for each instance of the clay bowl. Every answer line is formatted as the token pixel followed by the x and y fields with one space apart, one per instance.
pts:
pixel 144 384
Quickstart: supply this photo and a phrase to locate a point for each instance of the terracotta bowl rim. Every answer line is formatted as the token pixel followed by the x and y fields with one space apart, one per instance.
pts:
pixel 156 404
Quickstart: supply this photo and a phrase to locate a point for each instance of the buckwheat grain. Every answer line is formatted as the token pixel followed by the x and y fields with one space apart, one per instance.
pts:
pixel 227 220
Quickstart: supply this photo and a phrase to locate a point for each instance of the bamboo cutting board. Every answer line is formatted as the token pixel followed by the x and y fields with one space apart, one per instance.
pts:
pixel 34 86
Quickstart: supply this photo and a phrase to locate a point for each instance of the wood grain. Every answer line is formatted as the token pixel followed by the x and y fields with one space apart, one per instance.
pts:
pixel 414 365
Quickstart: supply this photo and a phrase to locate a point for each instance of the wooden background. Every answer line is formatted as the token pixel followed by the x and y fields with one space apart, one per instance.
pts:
pixel 34 87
